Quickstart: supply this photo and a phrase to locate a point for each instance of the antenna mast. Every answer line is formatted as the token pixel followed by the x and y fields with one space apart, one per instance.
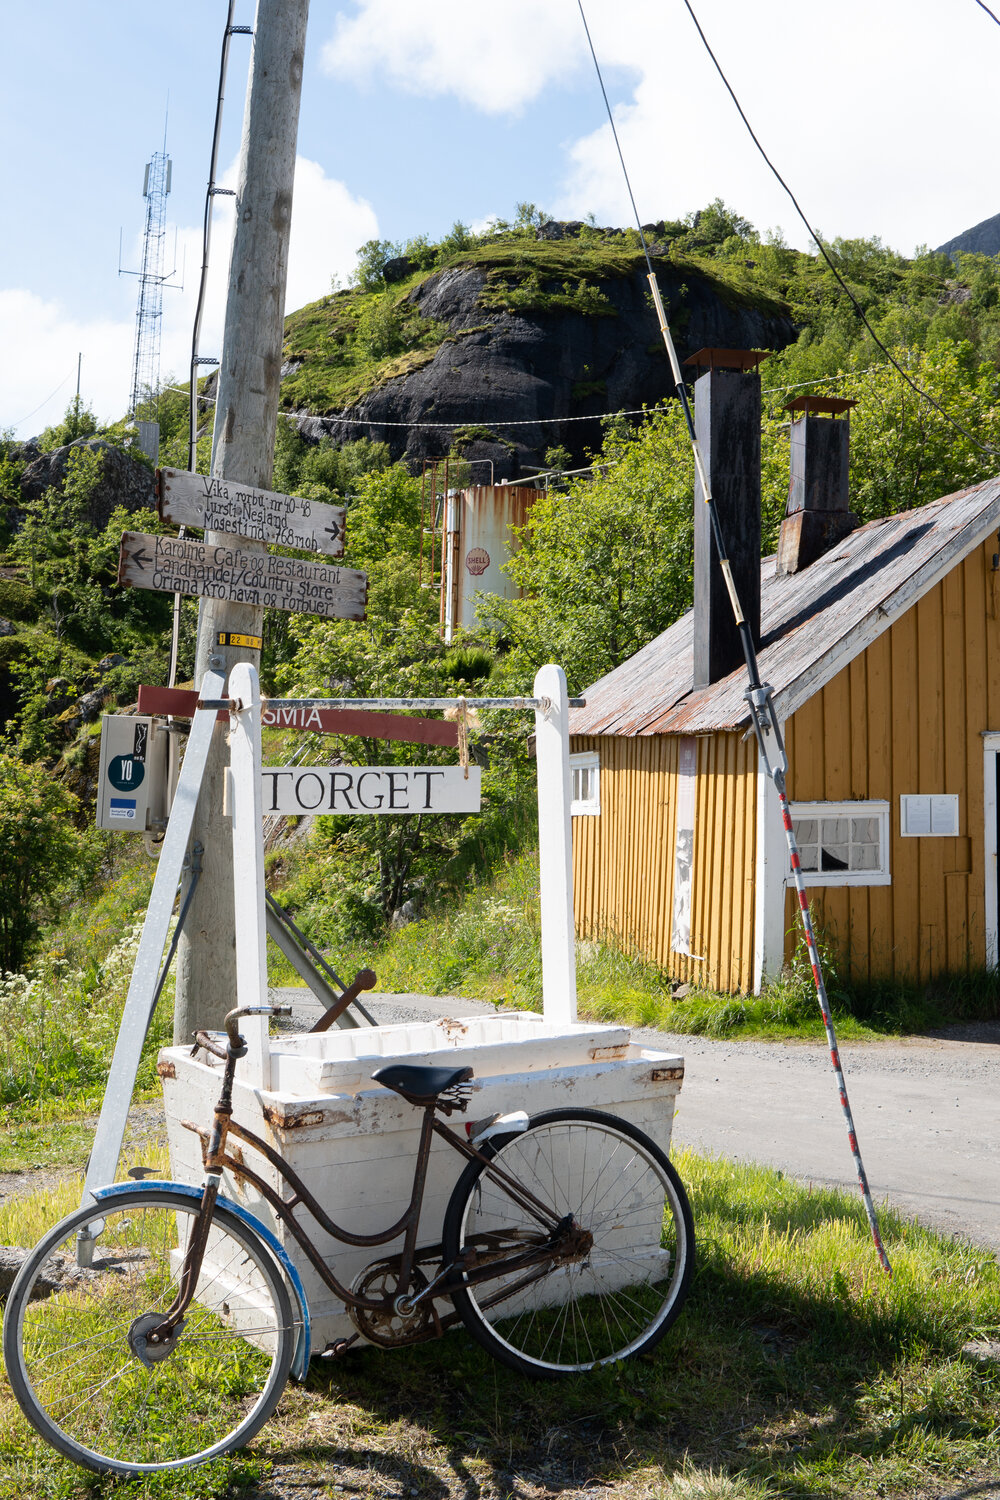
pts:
pixel 143 405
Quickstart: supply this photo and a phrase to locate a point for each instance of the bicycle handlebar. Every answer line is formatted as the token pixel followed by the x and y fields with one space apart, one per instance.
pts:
pixel 236 1042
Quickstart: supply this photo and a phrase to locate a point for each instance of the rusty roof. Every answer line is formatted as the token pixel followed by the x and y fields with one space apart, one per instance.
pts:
pixel 728 359
pixel 832 404
pixel 812 623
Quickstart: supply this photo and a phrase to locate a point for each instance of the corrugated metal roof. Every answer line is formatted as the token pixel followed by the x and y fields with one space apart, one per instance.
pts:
pixel 812 623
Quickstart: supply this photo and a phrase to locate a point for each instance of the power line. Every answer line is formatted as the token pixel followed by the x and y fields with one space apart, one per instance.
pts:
pixel 45 402
pixel 924 395
pixel 607 416
pixel 297 416
pixel 988 11
pixel 764 721
pixel 614 132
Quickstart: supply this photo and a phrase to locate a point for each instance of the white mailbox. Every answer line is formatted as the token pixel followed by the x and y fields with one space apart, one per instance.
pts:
pixel 132 783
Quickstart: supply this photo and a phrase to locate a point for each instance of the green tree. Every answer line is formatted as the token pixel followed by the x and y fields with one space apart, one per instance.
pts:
pixel 365 868
pixel 78 422
pixel 605 565
pixel 373 256
pixel 380 328
pixel 40 852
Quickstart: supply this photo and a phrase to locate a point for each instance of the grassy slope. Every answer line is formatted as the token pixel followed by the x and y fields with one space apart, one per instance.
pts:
pixel 487 947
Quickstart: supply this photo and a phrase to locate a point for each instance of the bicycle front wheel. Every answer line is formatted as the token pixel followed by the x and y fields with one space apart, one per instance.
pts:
pixel 618 1296
pixel 73 1336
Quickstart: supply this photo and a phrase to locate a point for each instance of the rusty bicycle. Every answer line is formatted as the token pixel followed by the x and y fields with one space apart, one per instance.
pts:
pixel 155 1328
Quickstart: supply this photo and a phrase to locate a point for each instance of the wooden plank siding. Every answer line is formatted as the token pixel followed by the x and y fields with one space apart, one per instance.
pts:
pixel 907 715
pixel 623 859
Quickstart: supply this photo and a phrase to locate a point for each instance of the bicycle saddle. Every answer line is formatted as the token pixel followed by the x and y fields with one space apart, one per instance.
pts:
pixel 419 1083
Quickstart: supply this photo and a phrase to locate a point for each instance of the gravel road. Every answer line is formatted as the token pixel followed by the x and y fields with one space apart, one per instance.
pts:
pixel 927 1110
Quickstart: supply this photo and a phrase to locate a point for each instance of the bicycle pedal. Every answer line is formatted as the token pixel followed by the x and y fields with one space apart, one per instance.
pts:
pixel 337 1347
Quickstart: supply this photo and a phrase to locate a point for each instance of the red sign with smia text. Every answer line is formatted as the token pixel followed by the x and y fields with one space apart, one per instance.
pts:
pixel 477 561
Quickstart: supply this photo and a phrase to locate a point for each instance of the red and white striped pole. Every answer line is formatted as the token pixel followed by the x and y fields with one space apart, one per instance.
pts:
pixel 765 724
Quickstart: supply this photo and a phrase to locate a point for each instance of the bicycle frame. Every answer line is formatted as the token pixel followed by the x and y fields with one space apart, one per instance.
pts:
pixel 562 1237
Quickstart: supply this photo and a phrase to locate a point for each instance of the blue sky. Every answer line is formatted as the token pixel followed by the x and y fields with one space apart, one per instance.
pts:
pixel 879 112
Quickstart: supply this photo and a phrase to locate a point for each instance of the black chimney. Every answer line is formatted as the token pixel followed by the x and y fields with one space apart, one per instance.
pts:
pixel 817 516
pixel 727 422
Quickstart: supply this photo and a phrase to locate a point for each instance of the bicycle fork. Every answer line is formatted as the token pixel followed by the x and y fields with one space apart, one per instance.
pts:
pixel 153 1335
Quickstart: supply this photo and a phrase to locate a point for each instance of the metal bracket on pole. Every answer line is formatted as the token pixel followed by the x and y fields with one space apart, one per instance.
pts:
pixel 144 985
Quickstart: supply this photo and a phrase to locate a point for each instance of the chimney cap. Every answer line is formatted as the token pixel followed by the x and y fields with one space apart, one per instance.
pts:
pixel 728 359
pixel 832 404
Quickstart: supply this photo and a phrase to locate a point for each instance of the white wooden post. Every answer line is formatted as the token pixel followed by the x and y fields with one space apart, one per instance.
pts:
pixel 772 868
pixel 245 762
pixel 103 1165
pixel 555 846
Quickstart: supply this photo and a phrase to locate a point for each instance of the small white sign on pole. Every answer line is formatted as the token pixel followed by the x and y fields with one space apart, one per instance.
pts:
pixel 370 790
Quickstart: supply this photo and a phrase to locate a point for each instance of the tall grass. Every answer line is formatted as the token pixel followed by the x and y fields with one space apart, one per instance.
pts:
pixel 59 1018
pixel 796 1369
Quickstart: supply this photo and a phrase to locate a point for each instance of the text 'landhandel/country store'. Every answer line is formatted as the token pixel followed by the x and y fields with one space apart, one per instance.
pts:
pixel 241 575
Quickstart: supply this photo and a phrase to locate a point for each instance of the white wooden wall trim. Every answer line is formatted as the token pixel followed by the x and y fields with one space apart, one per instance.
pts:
pixel 555 846
pixel 991 748
pixel 769 895
pixel 245 761
pixel 103 1164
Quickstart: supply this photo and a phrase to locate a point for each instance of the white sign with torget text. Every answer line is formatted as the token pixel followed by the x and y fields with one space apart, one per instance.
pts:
pixel 370 789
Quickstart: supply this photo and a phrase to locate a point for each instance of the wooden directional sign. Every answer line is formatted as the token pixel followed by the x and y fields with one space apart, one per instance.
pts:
pixel 242 575
pixel 182 702
pixel 260 515
pixel 370 789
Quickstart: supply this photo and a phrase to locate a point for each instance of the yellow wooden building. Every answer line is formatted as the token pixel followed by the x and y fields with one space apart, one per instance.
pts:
pixel 884 656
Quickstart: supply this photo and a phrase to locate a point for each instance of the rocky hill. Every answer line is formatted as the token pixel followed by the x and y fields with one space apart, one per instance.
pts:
pixel 981 239
pixel 551 332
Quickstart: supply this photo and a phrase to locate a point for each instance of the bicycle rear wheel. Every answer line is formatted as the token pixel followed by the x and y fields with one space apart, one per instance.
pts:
pixel 75 1355
pixel 621 1294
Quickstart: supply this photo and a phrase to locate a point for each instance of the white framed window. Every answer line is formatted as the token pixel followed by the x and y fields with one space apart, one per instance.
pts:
pixel 843 843
pixel 585 770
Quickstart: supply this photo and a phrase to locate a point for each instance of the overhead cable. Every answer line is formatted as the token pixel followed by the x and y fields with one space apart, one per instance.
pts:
pixel 918 390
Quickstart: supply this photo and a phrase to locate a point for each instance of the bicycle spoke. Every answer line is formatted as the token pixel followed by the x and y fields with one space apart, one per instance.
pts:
pixel 622 1289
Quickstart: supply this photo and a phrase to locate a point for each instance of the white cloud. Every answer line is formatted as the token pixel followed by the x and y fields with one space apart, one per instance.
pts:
pixel 42 342
pixel 42 338
pixel 881 120
pixel 496 57
pixel 328 226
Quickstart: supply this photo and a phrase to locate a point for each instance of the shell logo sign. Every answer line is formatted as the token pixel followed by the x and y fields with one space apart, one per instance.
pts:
pixel 477 561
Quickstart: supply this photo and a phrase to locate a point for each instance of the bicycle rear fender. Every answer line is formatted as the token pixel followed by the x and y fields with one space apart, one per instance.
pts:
pixel 300 1359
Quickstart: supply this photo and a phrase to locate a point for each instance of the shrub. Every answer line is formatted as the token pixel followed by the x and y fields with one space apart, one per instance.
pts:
pixel 40 849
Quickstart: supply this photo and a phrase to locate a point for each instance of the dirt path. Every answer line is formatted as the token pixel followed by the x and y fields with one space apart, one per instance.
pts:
pixel 926 1109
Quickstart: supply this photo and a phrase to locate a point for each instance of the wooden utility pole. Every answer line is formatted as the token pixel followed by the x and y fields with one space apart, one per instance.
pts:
pixel 243 449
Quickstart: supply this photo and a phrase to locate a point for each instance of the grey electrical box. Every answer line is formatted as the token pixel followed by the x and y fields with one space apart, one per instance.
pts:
pixel 131 796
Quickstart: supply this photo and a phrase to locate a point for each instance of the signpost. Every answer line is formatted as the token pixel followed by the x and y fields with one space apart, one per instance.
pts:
pixel 370 789
pixel 259 515
pixel 242 575
pixel 182 702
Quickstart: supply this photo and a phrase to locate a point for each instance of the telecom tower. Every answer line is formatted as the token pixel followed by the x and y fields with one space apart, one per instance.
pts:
pixel 144 401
